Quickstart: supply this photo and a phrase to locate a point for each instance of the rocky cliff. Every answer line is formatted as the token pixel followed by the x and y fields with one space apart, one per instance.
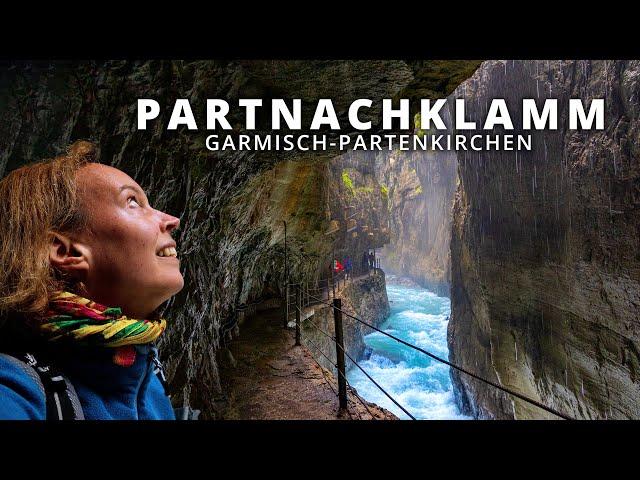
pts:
pixel 231 204
pixel 400 203
pixel 358 208
pixel 545 263
pixel 420 187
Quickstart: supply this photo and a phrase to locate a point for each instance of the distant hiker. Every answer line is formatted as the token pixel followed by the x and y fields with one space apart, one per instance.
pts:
pixel 372 260
pixel 347 267
pixel 365 261
pixel 337 266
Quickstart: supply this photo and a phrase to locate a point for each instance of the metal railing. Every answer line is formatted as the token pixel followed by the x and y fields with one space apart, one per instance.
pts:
pixel 341 353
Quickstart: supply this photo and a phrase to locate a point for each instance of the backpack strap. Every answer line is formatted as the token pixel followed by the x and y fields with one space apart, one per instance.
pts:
pixel 158 370
pixel 181 413
pixel 62 402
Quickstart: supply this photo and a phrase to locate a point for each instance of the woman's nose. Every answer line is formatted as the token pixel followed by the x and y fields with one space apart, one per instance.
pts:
pixel 169 222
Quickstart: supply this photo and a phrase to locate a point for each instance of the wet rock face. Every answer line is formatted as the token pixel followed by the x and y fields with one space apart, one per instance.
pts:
pixel 545 265
pixel 231 237
pixel 400 203
pixel 357 206
pixel 420 187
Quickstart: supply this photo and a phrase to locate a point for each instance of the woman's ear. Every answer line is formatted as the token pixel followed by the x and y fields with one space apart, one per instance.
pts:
pixel 68 256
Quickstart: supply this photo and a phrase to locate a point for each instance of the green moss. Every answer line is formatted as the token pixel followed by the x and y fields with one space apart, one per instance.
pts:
pixel 348 183
pixel 417 124
pixel 418 189
pixel 384 191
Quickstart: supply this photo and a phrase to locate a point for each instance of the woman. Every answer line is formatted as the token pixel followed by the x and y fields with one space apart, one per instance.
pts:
pixel 85 262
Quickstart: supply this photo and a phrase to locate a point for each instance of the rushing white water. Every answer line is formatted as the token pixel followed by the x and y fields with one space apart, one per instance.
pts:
pixel 420 384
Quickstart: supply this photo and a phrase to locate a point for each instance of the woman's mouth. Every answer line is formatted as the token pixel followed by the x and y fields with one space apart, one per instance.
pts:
pixel 167 252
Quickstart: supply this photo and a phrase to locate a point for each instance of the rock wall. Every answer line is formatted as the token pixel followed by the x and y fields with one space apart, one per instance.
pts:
pixel 545 263
pixel 358 207
pixel 230 242
pixel 400 203
pixel 420 188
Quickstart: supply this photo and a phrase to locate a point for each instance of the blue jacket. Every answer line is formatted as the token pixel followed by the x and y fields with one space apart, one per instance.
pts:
pixel 106 391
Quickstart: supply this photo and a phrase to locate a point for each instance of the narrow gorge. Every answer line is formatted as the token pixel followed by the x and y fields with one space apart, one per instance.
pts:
pixel 523 268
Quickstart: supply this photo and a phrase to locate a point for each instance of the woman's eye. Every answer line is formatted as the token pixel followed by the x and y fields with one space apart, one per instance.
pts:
pixel 133 202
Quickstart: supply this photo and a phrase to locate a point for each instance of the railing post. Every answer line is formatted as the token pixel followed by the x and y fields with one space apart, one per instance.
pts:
pixel 298 308
pixel 286 306
pixel 333 282
pixel 342 379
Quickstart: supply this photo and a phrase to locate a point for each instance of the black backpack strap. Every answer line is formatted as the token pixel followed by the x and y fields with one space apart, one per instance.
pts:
pixel 181 413
pixel 62 401
pixel 158 369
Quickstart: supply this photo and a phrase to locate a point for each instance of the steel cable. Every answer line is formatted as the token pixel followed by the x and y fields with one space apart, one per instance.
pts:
pixel 446 362
pixel 356 363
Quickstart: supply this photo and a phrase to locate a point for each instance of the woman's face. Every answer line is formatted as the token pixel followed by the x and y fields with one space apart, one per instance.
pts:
pixel 131 258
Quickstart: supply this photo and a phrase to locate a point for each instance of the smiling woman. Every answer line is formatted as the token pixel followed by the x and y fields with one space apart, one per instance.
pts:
pixel 85 263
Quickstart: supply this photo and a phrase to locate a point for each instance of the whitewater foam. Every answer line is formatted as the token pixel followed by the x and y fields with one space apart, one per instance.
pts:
pixel 420 384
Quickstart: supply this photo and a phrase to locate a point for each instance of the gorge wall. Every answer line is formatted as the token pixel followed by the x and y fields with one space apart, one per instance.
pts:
pixel 400 203
pixel 420 188
pixel 545 249
pixel 231 204
pixel 358 208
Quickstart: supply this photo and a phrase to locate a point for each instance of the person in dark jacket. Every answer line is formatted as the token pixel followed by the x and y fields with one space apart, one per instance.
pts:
pixel 348 267
pixel 85 264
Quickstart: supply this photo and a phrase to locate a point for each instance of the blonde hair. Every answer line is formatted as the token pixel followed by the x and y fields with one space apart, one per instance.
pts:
pixel 35 200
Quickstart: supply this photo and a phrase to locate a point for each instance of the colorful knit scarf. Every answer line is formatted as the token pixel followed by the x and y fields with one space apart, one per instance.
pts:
pixel 73 317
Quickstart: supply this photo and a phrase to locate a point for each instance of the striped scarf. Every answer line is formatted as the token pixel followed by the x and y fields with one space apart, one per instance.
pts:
pixel 73 317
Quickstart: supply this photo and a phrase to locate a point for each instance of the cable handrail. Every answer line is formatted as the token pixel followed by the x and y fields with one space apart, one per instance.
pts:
pixel 353 390
pixel 446 362
pixel 358 365
pixel 378 385
pixel 355 394
pixel 320 351
pixel 320 366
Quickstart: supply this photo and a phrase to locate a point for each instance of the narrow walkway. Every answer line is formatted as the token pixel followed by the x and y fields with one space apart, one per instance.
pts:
pixel 275 380
pixel 327 293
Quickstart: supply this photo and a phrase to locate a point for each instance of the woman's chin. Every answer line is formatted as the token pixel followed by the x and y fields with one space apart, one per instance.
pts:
pixel 179 284
pixel 169 284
